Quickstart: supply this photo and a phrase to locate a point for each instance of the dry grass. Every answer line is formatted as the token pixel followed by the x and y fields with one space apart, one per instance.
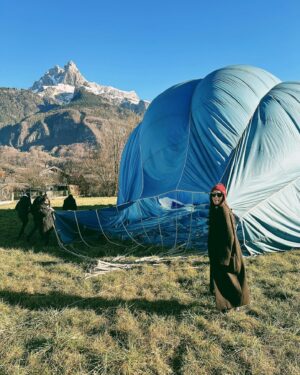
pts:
pixel 150 320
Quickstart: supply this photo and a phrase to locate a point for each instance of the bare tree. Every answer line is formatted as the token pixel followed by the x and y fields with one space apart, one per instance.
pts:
pixel 102 163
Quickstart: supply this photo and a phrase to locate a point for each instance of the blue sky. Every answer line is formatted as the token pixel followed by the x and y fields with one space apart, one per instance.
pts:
pixel 146 46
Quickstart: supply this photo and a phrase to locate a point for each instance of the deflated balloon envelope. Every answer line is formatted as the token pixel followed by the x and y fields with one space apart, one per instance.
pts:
pixel 239 125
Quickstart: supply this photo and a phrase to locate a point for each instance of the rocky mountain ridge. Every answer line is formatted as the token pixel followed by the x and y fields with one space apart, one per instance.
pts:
pixel 16 104
pixel 86 120
pixel 62 110
pixel 60 84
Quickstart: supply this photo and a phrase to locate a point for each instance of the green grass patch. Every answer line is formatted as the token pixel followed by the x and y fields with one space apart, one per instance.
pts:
pixel 155 319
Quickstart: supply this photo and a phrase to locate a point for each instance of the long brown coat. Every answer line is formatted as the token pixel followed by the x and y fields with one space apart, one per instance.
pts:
pixel 227 269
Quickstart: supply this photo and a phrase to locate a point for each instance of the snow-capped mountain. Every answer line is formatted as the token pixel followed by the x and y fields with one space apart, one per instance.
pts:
pixel 61 83
pixel 69 75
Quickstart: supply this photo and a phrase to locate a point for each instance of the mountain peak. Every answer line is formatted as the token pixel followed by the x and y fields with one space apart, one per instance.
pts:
pixel 72 67
pixel 70 63
pixel 68 75
pixel 61 83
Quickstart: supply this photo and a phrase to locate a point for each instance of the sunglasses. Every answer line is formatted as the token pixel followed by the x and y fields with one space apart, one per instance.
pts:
pixel 219 195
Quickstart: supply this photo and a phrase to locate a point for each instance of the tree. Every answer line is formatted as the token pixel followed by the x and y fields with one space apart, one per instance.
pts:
pixel 102 163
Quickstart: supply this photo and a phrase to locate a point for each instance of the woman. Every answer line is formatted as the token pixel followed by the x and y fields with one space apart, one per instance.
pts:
pixel 227 271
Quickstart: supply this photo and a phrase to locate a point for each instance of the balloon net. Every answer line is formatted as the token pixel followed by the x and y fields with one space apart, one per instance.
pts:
pixel 163 221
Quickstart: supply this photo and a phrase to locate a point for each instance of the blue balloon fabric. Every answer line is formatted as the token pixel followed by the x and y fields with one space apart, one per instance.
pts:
pixel 240 126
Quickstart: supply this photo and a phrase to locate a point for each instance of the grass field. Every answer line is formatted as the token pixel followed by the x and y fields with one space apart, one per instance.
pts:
pixel 154 319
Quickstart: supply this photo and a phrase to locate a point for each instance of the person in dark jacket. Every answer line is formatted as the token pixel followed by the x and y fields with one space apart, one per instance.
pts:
pixel 70 203
pixel 42 218
pixel 227 270
pixel 23 208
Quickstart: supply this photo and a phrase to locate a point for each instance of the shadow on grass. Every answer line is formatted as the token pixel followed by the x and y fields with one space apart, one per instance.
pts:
pixel 10 226
pixel 60 301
